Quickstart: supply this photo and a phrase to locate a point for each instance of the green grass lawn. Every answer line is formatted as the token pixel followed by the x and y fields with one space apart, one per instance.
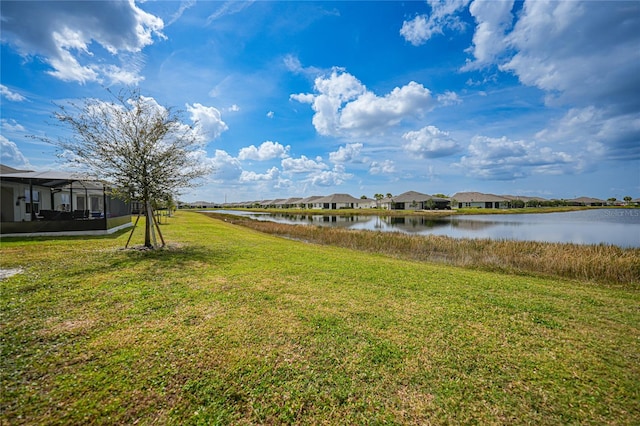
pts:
pixel 231 326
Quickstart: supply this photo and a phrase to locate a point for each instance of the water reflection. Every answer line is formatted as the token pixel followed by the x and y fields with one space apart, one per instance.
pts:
pixel 607 226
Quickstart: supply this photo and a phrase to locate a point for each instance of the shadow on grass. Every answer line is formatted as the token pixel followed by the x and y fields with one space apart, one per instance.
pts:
pixel 113 236
pixel 176 254
pixel 154 262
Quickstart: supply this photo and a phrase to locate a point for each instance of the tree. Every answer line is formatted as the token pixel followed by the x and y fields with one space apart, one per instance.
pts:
pixel 378 197
pixel 627 199
pixel 430 204
pixel 143 150
pixel 612 200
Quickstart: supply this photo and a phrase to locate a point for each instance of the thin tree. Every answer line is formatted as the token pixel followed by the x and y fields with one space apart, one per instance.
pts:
pixel 143 150
pixel 378 197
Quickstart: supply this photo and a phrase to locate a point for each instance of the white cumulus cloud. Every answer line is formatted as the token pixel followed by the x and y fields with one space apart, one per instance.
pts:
pixel 584 54
pixel 505 159
pixel 430 142
pixel 225 167
pixel 12 126
pixel 302 165
pixel 11 95
pixel 266 151
pixel 493 20
pixel 271 175
pixel 208 120
pixel 61 33
pixel 344 107
pixel 11 154
pixel 574 50
pixel 421 28
pixel 329 178
pixel 449 98
pixel 346 154
pixel 386 167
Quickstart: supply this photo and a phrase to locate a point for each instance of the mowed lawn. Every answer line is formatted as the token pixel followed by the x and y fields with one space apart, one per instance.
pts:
pixel 231 326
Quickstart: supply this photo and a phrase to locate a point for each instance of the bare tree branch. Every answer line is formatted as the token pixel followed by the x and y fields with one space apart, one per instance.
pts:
pixel 142 149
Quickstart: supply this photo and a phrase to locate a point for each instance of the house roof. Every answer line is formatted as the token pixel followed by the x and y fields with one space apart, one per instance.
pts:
pixel 412 196
pixel 477 197
pixel 586 200
pixel 277 201
pixel 310 199
pixel 338 198
pixel 523 198
pixel 51 179
pixel 6 169
pixel 292 200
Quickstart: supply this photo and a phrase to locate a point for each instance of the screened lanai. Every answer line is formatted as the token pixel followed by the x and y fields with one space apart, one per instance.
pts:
pixel 57 203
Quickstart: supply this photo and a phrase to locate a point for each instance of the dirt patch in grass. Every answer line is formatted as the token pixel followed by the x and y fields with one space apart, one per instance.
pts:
pixel 7 273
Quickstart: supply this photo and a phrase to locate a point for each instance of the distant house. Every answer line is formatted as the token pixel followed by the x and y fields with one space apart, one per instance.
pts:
pixel 58 203
pixel 308 202
pixel 586 201
pixel 341 201
pixel 274 203
pixel 289 203
pixel 479 200
pixel 196 205
pixel 263 204
pixel 413 200
pixel 524 201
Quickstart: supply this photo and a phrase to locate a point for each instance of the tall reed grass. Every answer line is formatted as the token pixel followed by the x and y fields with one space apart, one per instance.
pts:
pixel 599 263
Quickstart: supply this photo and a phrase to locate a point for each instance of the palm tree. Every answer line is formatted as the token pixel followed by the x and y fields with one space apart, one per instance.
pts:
pixel 378 197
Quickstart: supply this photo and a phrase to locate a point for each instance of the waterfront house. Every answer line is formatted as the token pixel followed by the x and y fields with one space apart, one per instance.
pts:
pixel 308 202
pixel 586 201
pixel 58 203
pixel 478 200
pixel 341 201
pixel 289 203
pixel 517 201
pixel 413 200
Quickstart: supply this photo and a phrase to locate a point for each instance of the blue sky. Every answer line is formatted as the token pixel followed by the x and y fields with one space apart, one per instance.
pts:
pixel 535 98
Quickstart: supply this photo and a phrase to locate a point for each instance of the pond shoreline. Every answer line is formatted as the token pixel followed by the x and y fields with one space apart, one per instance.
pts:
pixel 606 264
pixel 581 226
pixel 422 213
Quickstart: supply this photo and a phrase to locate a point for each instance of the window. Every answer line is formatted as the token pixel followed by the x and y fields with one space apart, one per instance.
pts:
pixel 65 202
pixel 35 204
pixel 96 203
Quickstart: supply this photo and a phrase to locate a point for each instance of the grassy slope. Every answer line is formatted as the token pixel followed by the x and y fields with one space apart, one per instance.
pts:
pixel 234 326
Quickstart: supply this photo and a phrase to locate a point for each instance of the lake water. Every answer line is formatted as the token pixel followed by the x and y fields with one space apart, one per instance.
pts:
pixel 619 227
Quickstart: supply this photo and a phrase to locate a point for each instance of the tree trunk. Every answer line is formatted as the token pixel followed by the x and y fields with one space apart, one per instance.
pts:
pixel 147 225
